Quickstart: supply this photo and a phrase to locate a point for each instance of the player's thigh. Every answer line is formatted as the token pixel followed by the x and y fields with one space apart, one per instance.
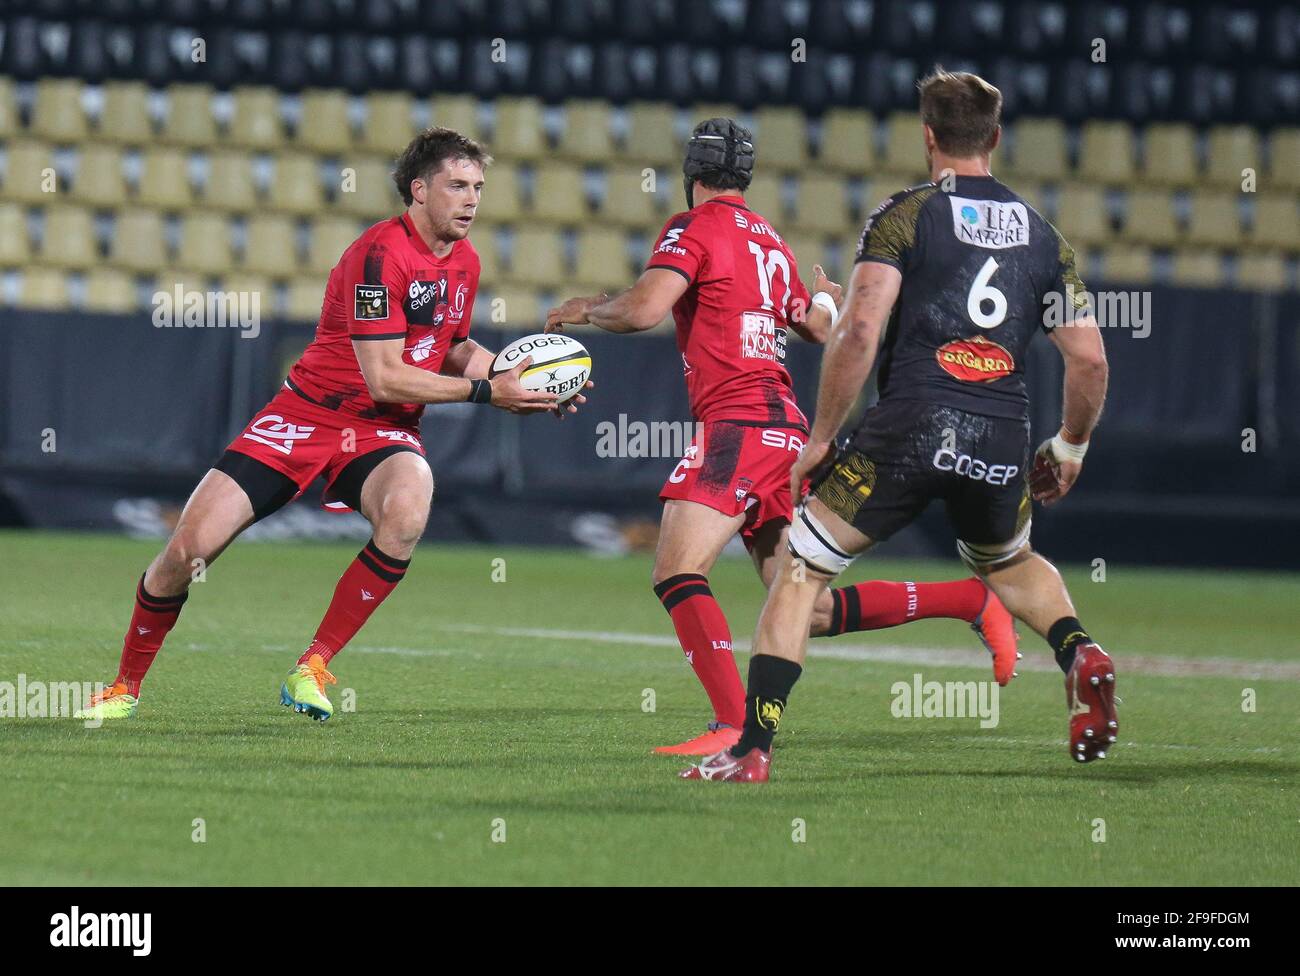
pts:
pixel 691 537
pixel 217 511
pixel 766 544
pixel 398 492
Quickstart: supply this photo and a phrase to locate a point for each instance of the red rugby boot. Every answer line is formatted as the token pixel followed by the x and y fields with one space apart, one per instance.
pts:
pixel 996 629
pixel 1090 697
pixel 752 767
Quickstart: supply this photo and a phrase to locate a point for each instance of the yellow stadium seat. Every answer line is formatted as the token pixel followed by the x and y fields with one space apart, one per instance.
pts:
pixel 808 249
pixel 69 239
pixel 588 131
pixel 230 184
pixel 270 246
pixel 304 299
pixel 765 197
pixel 651 134
pixel 558 194
pixel 1031 192
pixel 373 194
pixel 189 119
pixel 1232 149
pixel 1284 160
pixel 29 168
pixel 251 285
pixel 99 176
pixel 1039 149
pixel 8 109
pixel 137 242
pixel 1169 155
pixel 1216 218
pixel 58 115
pixel 537 257
pixel 257 122
pixel 44 288
pixel 1262 272
pixel 167 279
pixel 324 126
pixel 459 112
pixel 164 179
pixel 602 258
pixel 822 204
pixel 1081 214
pixel 485 243
pixel 1127 264
pixel 125 118
pixel 905 149
pixel 296 186
pixel 330 237
pixel 626 201
pixel 502 199
pixel 783 135
pixel 14 246
pixel 713 110
pixel 514 305
pixel 848 140
pixel 205 243
pixel 519 133
pixel 1277 222
pixel 1107 153
pixel 1149 218
pixel 1198 268
pixel 112 291
pixel 388 126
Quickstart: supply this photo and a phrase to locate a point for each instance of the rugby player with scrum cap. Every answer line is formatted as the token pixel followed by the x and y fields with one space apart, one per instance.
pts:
pixel 734 290
pixel 393 336
pixel 953 274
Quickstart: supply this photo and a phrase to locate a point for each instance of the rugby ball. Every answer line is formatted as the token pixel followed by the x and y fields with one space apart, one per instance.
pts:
pixel 561 364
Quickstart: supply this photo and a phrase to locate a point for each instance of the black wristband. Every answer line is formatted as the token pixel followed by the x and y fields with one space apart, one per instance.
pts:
pixel 480 391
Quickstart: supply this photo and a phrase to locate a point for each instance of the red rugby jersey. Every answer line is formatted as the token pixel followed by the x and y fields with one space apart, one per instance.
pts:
pixel 732 320
pixel 387 285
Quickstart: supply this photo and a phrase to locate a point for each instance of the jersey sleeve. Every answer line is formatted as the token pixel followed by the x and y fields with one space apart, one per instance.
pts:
pixel 890 231
pixel 800 297
pixel 467 312
pixel 1067 282
pixel 680 247
pixel 374 289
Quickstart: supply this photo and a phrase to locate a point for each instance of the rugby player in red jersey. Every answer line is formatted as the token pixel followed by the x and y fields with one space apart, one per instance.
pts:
pixel 734 290
pixel 393 336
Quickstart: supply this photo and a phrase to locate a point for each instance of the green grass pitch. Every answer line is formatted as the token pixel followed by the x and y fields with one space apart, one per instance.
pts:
pixel 517 708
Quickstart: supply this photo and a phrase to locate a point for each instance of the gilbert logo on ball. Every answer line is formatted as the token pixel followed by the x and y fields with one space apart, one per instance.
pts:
pixel 561 364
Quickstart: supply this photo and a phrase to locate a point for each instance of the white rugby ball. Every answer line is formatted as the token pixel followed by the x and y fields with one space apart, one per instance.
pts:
pixel 561 364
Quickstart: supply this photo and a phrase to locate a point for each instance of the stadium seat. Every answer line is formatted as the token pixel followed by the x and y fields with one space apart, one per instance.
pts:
pixel 164 179
pixel 1198 268
pixel 1284 160
pixel 1106 153
pixel 296 186
pixel 330 237
pixel 99 179
pixel 1232 149
pixel 1039 150
pixel 25 164
pixel 324 126
pixel 847 141
pixel 587 131
pixel 230 185
pixel 44 288
pixel 111 291
pixel 485 241
pixel 1262 272
pixel 712 110
pixel 808 249
pixel 1277 222
pixel 167 279
pixel 125 117
pixel 905 148
pixel 625 200
pixel 1149 218
pixel 15 249
pixel 304 298
pixel 373 195
pixel 256 122
pixel 1216 218
pixel 205 243
pixel 558 194
pixel 459 112
pixel 822 205
pixel 518 133
pixel 1081 214
pixel 9 121
pixel 502 199
pixel 58 115
pixel 514 305
pixel 189 120
pixel 1124 264
pixel 251 284
pixel 270 246
pixel 388 126
pixel 537 257
pixel 602 258
pixel 652 139
pixel 69 238
pixel 1169 155
pixel 1031 191
pixel 781 135
pixel 137 241
pixel 765 197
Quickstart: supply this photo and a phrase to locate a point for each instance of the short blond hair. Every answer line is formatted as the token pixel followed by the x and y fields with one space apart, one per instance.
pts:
pixel 962 110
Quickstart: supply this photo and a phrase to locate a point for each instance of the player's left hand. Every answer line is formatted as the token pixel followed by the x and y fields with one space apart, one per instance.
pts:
pixel 571 406
pixel 1051 477
pixel 572 312
pixel 822 283
pixel 814 456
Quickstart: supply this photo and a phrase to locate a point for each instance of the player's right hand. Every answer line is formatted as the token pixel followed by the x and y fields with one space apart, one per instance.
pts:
pixel 1051 477
pixel 572 312
pixel 508 392
pixel 822 283
pixel 814 456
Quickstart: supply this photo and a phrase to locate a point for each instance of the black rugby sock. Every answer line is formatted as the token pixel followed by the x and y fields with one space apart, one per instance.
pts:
pixel 770 681
pixel 1064 636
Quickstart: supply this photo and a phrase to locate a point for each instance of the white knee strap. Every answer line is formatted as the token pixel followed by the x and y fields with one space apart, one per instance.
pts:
pixel 808 540
pixel 980 557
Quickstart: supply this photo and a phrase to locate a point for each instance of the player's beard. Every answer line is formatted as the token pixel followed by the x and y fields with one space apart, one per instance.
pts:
pixel 451 230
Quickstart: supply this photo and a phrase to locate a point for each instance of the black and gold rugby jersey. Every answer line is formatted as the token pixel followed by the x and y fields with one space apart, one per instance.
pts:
pixel 977 263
